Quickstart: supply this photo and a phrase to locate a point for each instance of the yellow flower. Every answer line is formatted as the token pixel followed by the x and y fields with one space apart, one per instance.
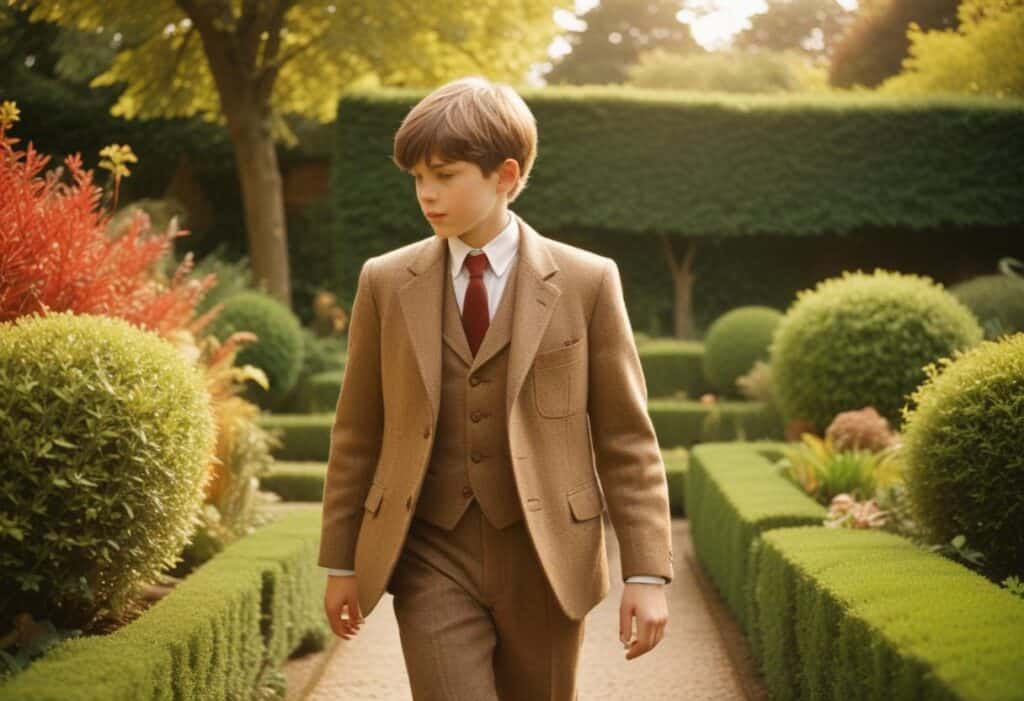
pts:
pixel 116 156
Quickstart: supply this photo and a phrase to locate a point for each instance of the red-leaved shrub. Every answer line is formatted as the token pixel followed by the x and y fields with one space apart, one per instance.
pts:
pixel 55 254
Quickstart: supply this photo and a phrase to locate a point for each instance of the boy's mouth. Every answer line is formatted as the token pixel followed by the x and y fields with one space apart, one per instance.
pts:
pixel 434 216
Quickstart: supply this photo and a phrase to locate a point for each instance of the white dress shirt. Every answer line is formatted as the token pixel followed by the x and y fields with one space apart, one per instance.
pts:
pixel 500 250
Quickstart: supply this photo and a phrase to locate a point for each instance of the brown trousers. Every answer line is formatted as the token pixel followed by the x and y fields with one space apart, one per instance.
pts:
pixel 477 617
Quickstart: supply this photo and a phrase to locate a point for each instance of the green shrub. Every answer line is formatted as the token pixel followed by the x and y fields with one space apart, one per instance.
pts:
pixel 734 342
pixel 279 350
pixel 863 340
pixel 997 301
pixel 106 436
pixel 965 467
pixel 233 277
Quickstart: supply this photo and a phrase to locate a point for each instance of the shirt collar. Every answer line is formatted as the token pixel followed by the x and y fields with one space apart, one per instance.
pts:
pixel 500 250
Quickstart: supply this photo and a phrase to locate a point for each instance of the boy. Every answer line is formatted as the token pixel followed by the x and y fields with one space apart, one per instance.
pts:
pixel 490 370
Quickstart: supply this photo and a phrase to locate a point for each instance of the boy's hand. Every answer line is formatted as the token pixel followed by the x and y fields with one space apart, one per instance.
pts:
pixel 647 603
pixel 342 605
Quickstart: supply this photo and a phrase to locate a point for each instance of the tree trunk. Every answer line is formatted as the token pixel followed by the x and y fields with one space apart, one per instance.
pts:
pixel 683 278
pixel 259 176
pixel 241 52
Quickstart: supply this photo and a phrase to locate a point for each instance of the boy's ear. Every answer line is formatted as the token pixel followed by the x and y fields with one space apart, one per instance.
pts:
pixel 508 172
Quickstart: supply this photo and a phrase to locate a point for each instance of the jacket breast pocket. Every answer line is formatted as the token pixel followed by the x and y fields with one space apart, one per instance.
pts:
pixel 556 380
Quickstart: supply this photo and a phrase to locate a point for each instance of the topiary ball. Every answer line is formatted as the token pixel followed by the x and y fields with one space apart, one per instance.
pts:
pixel 107 432
pixel 863 340
pixel 279 349
pixel 962 442
pixel 734 342
pixel 997 301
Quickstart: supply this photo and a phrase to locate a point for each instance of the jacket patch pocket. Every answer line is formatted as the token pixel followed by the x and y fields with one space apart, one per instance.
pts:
pixel 585 502
pixel 553 380
pixel 374 497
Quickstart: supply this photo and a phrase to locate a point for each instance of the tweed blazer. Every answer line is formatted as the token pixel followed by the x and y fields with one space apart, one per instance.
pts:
pixel 580 437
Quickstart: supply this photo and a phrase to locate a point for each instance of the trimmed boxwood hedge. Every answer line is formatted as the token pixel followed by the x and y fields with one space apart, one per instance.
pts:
pixel 848 614
pixel 296 481
pixel 252 605
pixel 678 423
pixel 733 494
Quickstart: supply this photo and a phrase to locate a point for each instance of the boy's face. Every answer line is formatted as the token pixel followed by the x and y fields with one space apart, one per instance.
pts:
pixel 469 205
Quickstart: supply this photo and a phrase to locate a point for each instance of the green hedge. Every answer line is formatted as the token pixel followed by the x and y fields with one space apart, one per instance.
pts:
pixel 845 614
pixel 676 462
pixel 734 493
pixel 296 481
pixel 252 604
pixel 678 423
pixel 672 366
pixel 687 423
pixel 707 166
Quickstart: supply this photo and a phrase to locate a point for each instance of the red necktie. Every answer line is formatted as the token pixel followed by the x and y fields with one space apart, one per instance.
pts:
pixel 475 313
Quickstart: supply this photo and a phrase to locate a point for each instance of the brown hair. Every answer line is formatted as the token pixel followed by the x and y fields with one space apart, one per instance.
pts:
pixel 470 119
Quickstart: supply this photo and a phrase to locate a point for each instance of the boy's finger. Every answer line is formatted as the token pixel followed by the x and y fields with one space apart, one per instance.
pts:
pixel 625 624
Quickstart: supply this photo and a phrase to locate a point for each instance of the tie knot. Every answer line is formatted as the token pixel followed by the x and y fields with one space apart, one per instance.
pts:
pixel 476 264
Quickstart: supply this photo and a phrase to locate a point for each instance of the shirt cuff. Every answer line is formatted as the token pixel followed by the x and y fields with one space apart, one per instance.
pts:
pixel 646 578
pixel 339 572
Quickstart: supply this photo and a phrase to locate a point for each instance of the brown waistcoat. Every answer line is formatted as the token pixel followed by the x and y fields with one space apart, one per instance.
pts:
pixel 470 458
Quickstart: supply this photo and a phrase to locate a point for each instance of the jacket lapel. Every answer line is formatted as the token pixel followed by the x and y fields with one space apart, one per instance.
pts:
pixel 421 301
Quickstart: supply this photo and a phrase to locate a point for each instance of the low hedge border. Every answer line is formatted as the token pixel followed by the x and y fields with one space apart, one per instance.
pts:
pixel 688 423
pixel 672 366
pixel 250 606
pixel 296 481
pixel 304 481
pixel 734 493
pixel 845 614
pixel 678 423
pixel 676 462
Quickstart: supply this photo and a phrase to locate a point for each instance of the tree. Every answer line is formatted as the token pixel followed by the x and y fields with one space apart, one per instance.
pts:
pixel 246 64
pixel 762 71
pixel 876 43
pixel 811 26
pixel 615 34
pixel 984 55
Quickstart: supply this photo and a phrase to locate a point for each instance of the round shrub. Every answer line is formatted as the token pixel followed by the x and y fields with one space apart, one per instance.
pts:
pixel 863 340
pixel 734 342
pixel 107 432
pixel 997 301
pixel 965 467
pixel 860 429
pixel 279 350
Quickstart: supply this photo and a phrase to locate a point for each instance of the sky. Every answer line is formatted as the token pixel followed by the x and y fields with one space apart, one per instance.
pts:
pixel 712 30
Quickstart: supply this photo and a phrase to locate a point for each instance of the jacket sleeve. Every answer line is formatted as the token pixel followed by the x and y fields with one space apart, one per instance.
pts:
pixel 357 432
pixel 627 456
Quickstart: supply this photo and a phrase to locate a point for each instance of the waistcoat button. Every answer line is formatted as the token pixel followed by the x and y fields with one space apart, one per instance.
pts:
pixel 467 492
pixel 475 415
pixel 475 456
pixel 426 431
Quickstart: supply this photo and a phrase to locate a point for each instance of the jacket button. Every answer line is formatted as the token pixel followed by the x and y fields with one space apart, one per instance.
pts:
pixel 408 503
pixel 426 431
pixel 474 380
pixel 475 456
pixel 475 415
pixel 467 492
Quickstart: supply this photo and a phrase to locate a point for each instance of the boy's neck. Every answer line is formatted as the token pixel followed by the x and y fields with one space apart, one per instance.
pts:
pixel 488 229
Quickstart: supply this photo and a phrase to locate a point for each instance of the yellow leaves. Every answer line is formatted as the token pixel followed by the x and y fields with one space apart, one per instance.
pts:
pixel 9 114
pixel 115 157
